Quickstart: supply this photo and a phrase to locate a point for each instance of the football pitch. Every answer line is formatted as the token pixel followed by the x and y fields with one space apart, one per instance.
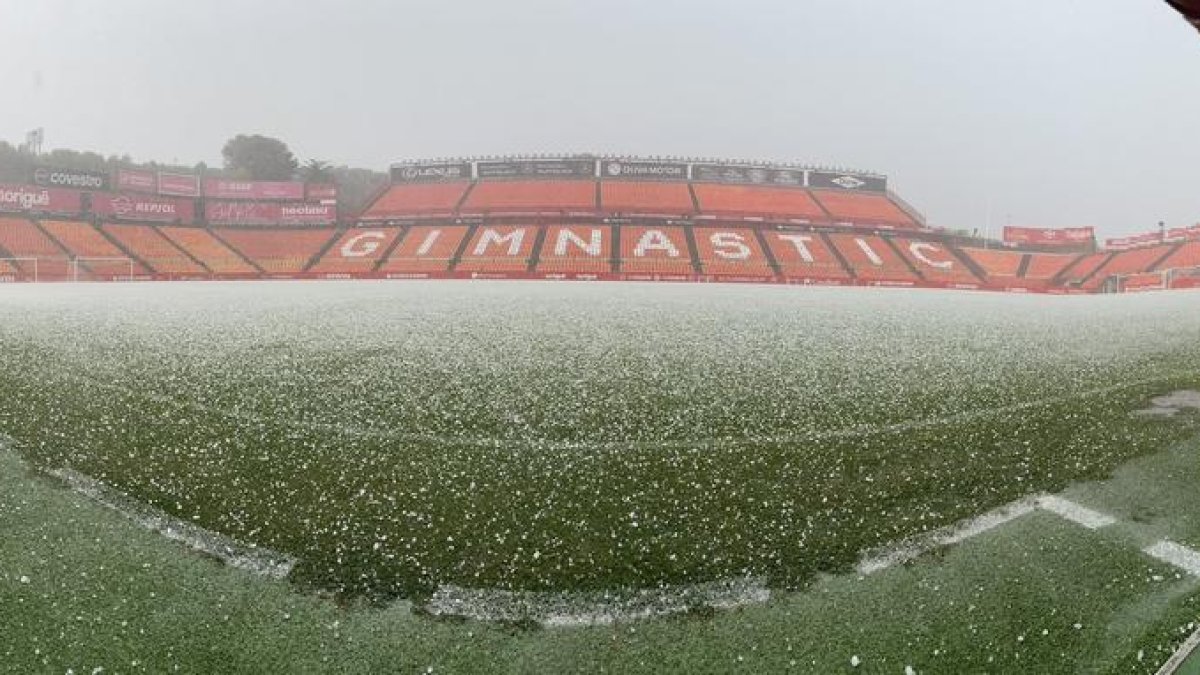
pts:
pixel 535 451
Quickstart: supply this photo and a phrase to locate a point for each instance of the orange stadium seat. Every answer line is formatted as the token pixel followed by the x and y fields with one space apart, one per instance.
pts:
pixel 203 246
pixel 432 199
pixel 576 249
pixel 731 252
pixel 997 264
pixel 278 250
pixel 636 197
pixel 1129 262
pixel 935 261
pixel 657 251
pixel 803 256
pixel 21 238
pixel 149 245
pixel 758 202
pixel 499 249
pixel 1188 255
pixel 425 249
pixel 97 257
pixel 543 196
pixel 1046 266
pixel 357 251
pixel 1085 268
pixel 872 258
pixel 862 208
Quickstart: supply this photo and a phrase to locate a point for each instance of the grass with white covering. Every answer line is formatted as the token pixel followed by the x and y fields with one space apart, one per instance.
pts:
pixel 398 437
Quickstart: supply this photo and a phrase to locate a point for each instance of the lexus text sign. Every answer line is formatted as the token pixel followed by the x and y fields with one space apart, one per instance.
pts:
pixel 34 198
pixel 643 170
pixel 269 213
pixel 431 173
pixel 1046 236
pixel 178 184
pixel 144 207
pixel 70 178
pixel 220 188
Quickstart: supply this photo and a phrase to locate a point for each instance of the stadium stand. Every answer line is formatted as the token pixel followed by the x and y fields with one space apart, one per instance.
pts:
pixel 1185 256
pixel 146 243
pixel 426 200
pixel 1129 262
pixel 804 256
pixel 424 250
pixel 749 201
pixel 1044 267
pixel 935 261
pixel 532 197
pixel 636 197
pixel 499 249
pixel 655 251
pixel 576 249
pixel 999 265
pixel 1084 269
pixel 731 252
pixel 862 208
pixel 282 251
pixel 357 251
pixel 200 244
pixel 96 257
pixel 873 259
pixel 21 238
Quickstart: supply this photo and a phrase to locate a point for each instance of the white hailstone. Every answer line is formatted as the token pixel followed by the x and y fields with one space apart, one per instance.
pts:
pixel 909 670
pixel 855 661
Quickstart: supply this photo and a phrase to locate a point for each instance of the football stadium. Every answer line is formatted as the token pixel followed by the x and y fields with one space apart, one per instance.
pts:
pixel 576 413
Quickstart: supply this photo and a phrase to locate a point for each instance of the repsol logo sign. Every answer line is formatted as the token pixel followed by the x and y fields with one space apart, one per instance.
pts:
pixel 82 180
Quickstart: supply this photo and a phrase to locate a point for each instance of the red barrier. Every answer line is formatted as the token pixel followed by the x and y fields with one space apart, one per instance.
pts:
pixel 269 213
pixel 220 188
pixel 1066 236
pixel 132 180
pixel 143 207
pixel 28 198
pixel 178 184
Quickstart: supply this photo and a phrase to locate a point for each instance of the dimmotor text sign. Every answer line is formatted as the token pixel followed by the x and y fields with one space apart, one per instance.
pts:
pixel 643 170
pixel 34 198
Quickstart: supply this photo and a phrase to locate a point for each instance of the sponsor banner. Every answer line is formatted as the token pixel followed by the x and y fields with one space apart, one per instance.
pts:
pixel 132 180
pixel 47 199
pixel 178 184
pixel 538 168
pixel 1045 236
pixel 143 207
pixel 221 188
pixel 431 173
pixel 72 179
pixel 747 175
pixel 846 181
pixel 643 170
pixel 269 213
pixel 1184 233
pixel 319 192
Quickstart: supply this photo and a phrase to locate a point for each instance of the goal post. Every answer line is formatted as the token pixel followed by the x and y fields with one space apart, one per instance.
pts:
pixel 93 268
pixel 19 268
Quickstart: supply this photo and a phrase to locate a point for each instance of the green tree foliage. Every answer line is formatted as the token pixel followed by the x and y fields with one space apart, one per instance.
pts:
pixel 258 157
pixel 317 171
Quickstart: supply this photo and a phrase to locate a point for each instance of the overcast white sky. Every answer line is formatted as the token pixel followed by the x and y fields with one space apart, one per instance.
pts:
pixel 1041 112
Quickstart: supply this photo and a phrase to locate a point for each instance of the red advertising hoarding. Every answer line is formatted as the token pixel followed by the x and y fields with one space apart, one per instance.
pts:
pixel 269 213
pixel 132 180
pixel 220 188
pixel 46 199
pixel 143 207
pixel 178 184
pixel 1045 236
pixel 320 192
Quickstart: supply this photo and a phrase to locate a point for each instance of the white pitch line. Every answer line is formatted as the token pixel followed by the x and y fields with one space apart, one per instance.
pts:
pixel 1092 520
pixel 1177 555
pixel 945 536
pixel 1181 655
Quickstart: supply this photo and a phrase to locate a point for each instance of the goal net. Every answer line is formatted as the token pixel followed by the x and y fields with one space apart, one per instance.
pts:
pixel 101 269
